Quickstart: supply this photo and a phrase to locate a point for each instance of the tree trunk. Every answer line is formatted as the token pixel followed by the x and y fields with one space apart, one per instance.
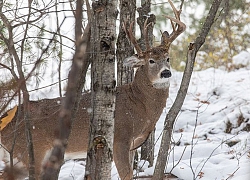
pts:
pixel 28 133
pixel 124 48
pixel 147 149
pixel 174 110
pixel 103 36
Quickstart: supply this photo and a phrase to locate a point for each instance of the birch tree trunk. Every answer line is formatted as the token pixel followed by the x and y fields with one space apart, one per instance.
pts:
pixel 174 110
pixel 103 36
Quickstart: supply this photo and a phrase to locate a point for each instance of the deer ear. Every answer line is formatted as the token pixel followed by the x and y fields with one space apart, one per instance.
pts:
pixel 133 61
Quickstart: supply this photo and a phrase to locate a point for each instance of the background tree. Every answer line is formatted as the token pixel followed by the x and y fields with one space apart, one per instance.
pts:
pixel 147 149
pixel 76 80
pixel 124 47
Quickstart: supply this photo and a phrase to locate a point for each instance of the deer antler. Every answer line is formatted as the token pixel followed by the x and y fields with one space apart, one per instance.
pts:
pixel 132 38
pixel 177 25
pixel 167 40
pixel 145 33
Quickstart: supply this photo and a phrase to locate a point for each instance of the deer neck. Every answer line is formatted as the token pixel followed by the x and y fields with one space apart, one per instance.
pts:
pixel 142 87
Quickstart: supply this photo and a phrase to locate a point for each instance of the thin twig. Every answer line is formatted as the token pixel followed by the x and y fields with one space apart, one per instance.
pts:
pixel 192 143
pixel 178 160
pixel 213 153
pixel 231 175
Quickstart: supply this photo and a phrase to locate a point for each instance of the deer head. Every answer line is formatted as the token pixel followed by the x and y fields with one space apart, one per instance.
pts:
pixel 156 59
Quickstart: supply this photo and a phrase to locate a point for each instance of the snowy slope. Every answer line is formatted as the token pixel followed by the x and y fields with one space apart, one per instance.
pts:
pixel 217 102
pixel 214 98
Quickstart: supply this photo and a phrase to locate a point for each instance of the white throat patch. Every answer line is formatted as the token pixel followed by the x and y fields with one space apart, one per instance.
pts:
pixel 161 85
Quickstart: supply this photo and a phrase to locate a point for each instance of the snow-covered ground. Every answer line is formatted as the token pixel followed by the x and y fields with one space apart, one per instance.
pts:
pixel 209 141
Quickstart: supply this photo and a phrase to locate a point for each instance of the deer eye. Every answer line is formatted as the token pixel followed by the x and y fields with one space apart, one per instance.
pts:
pixel 151 61
pixel 167 59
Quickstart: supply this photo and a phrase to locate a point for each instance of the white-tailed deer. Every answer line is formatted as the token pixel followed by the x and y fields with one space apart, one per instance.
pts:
pixel 138 108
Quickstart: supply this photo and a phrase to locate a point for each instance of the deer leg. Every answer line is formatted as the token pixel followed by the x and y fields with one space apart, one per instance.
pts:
pixel 123 159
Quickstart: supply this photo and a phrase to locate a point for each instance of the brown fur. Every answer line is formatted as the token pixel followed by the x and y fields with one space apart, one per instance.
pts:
pixel 138 108
pixel 44 121
pixel 16 173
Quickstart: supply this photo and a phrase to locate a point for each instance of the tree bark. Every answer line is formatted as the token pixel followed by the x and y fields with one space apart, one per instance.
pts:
pixel 124 48
pixel 174 110
pixel 103 36
pixel 147 149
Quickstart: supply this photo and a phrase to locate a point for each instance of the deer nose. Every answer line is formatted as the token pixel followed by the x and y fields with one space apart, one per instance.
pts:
pixel 166 74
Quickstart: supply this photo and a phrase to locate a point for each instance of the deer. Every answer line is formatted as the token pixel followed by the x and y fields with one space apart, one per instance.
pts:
pixel 138 108
pixel 145 98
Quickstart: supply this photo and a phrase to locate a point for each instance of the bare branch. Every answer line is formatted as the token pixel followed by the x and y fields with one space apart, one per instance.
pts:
pixel 30 21
pixel 231 175
pixel 6 67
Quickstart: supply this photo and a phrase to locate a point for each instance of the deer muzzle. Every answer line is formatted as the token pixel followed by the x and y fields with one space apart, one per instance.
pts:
pixel 166 74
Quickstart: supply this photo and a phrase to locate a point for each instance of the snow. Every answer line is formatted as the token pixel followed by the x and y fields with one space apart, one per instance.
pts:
pixel 215 97
pixel 72 170
pixel 243 58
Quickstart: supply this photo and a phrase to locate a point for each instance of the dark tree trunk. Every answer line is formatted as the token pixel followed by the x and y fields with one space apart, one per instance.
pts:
pixel 147 149
pixel 103 36
pixel 28 134
pixel 124 48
